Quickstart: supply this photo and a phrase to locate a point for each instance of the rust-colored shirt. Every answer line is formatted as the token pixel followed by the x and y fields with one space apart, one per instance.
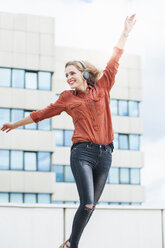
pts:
pixel 90 110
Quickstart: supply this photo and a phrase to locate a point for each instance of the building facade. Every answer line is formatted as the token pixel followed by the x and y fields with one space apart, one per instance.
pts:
pixel 35 159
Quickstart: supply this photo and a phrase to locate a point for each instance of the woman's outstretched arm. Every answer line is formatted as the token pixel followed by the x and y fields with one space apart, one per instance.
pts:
pixel 12 125
pixel 128 25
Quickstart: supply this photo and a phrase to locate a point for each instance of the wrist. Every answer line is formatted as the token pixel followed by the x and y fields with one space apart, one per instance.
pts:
pixel 125 34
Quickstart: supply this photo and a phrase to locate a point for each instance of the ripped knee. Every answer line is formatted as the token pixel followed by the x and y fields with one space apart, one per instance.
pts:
pixel 90 206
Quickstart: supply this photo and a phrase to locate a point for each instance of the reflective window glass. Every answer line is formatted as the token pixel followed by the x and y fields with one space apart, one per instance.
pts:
pixel 17 78
pixel 136 203
pixel 124 176
pixel 68 174
pixel 103 203
pixel 44 80
pixel 114 203
pixel 124 203
pixel 30 161
pixel 44 124
pixel 68 137
pixel 134 141
pixel 114 175
pixel 123 141
pixel 32 125
pixel 116 141
pixel 31 80
pixel 58 202
pixel 16 160
pixel 113 106
pixel 30 198
pixel 4 197
pixel 123 107
pixel 135 175
pixel 59 137
pixel 17 114
pixel 43 198
pixel 44 161
pixel 133 108
pixel 59 171
pixel 4 159
pixel 4 116
pixel 16 197
pixel 5 77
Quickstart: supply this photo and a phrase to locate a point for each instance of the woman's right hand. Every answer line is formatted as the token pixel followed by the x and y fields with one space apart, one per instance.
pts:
pixel 8 126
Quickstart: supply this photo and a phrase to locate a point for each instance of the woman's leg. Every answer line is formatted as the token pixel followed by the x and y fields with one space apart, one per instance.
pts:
pixel 83 175
pixel 100 174
pixel 90 181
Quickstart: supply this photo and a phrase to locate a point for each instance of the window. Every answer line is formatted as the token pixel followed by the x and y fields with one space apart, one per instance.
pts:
pixel 68 137
pixel 59 137
pixel 68 174
pixel 135 176
pixel 124 175
pixel 123 141
pixel 4 116
pixel 17 114
pixel 133 108
pixel 44 198
pixel 31 80
pixel 18 78
pixel 125 203
pixel 59 170
pixel 5 77
pixel 113 203
pixel 30 161
pixel 116 143
pixel 44 124
pixel 16 197
pixel 4 160
pixel 63 137
pixel 16 160
pixel 44 80
pixel 114 175
pixel 4 197
pixel 113 107
pixel 44 161
pixel 30 198
pixel 32 125
pixel 134 141
pixel 123 108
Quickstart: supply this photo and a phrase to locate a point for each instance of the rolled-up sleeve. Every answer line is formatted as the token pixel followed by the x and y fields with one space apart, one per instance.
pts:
pixel 108 78
pixel 51 110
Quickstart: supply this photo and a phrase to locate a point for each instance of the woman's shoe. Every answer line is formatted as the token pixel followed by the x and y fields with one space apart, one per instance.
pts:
pixel 65 245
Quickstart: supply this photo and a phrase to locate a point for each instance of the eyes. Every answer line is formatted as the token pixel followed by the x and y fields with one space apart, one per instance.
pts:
pixel 70 73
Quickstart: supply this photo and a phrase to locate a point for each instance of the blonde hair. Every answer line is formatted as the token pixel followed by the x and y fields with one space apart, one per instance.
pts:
pixel 94 73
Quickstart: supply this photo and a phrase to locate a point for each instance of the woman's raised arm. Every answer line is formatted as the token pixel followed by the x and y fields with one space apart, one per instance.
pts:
pixel 128 25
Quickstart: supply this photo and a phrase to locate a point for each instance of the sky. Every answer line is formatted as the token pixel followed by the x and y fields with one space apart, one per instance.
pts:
pixel 97 24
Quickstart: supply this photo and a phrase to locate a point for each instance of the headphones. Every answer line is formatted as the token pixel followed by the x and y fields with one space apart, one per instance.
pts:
pixel 85 73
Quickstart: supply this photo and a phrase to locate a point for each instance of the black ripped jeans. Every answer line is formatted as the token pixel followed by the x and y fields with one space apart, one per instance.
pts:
pixel 90 164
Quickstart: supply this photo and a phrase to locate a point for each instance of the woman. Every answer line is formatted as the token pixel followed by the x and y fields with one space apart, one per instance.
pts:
pixel 91 153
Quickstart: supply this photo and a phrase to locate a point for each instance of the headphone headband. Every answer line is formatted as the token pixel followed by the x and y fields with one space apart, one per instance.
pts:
pixel 83 65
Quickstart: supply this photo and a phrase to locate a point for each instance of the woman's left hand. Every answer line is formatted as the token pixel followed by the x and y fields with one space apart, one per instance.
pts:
pixel 129 23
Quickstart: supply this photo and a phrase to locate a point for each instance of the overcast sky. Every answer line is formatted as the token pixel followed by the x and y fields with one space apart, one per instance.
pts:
pixel 97 24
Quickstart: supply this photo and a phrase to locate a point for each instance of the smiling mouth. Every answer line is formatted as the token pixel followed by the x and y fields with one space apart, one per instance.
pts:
pixel 71 83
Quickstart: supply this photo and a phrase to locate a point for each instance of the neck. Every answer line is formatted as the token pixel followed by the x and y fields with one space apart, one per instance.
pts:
pixel 82 87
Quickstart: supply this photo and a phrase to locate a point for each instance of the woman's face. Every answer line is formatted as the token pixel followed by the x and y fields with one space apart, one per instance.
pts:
pixel 74 78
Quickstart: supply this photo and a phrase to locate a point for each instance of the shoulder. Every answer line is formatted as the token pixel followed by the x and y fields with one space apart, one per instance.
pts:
pixel 66 95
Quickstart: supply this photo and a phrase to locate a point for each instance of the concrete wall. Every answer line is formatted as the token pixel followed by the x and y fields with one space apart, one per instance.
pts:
pixel 47 226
